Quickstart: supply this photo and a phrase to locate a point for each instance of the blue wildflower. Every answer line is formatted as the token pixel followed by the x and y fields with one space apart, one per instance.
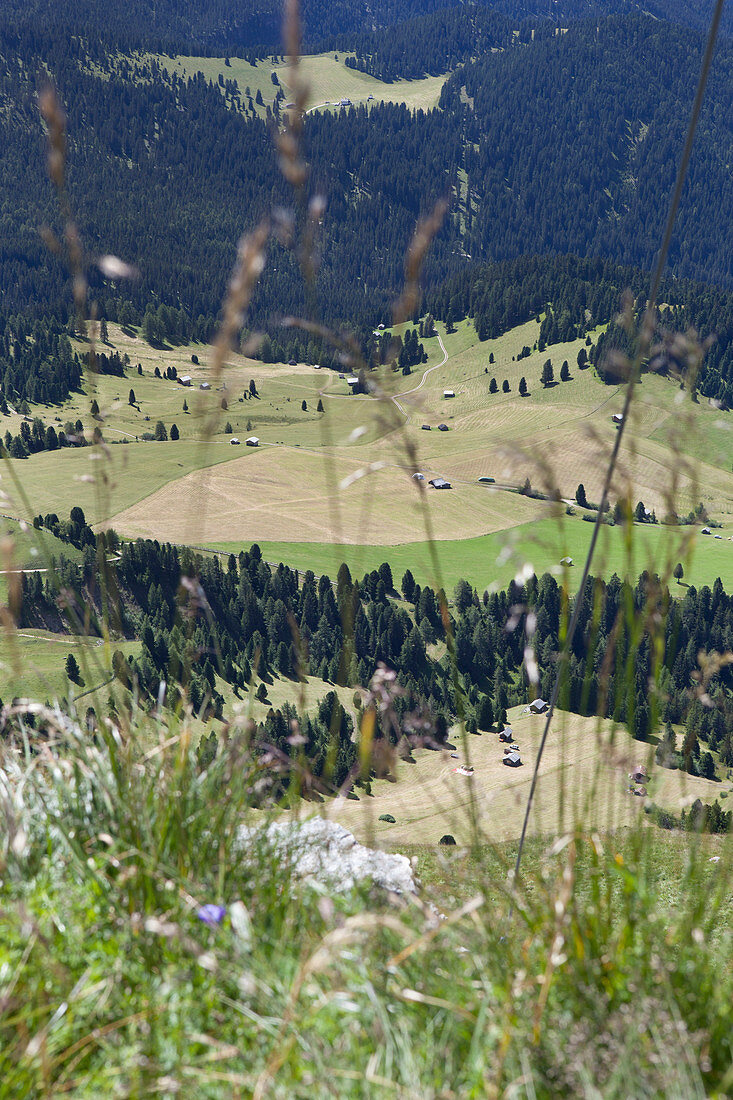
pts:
pixel 211 914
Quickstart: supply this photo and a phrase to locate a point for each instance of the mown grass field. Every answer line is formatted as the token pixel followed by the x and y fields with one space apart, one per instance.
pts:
pixel 583 779
pixel 329 81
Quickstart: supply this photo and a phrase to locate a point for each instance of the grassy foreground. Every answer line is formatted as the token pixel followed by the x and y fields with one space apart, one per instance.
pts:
pixel 611 977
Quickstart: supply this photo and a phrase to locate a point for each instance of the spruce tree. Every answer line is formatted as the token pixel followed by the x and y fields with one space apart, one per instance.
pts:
pixel 72 669
pixel 548 374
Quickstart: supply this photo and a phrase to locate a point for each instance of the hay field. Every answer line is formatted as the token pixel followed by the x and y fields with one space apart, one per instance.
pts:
pixel 584 758
pixel 305 694
pixel 22 547
pixel 276 492
pixel 328 78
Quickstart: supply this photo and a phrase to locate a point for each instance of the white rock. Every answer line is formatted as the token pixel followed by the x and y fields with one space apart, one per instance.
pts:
pixel 331 856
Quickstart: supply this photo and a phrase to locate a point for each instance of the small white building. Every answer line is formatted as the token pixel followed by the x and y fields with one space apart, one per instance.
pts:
pixel 234 441
pixel 449 393
pixel 618 418
pixel 566 561
pixel 538 706
pixel 184 379
pixel 204 386
pixel 253 441
pixel 352 380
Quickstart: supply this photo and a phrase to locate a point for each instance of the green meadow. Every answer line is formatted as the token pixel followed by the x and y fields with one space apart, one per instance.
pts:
pixel 493 560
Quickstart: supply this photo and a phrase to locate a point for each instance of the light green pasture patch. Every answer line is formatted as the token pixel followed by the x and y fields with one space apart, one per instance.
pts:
pixel 329 81
pixel 32 665
pixel 495 559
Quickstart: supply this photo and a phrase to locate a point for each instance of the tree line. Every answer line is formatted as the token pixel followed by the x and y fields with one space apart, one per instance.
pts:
pixel 201 621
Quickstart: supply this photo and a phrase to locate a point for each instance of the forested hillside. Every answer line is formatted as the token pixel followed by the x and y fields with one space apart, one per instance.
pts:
pixel 552 144
pixel 162 173
pixel 568 145
pixel 211 26
pixel 231 620
pixel 572 145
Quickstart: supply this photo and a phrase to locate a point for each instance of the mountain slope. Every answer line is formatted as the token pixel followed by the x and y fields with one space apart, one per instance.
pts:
pixel 573 143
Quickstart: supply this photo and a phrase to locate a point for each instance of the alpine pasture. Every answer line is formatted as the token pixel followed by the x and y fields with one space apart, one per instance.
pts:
pixel 584 756
pixel 321 480
pixel 329 81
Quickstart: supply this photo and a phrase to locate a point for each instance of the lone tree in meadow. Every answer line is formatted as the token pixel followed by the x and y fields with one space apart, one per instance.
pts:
pixel 582 359
pixel 253 387
pixel 160 433
pixel 522 386
pixel 491 357
pixel 94 408
pixel 493 387
pixel 565 372
pixel 505 385
pixel 548 374
pixel 319 407
pixel 304 405
pixel 228 428
pixel 580 496
pixel 72 669
pixel 132 400
pixel 678 572
pixel 103 333
pixel 174 432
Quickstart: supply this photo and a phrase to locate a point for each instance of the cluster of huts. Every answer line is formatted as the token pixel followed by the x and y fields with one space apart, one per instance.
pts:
pixel 512 757
pixel 638 779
